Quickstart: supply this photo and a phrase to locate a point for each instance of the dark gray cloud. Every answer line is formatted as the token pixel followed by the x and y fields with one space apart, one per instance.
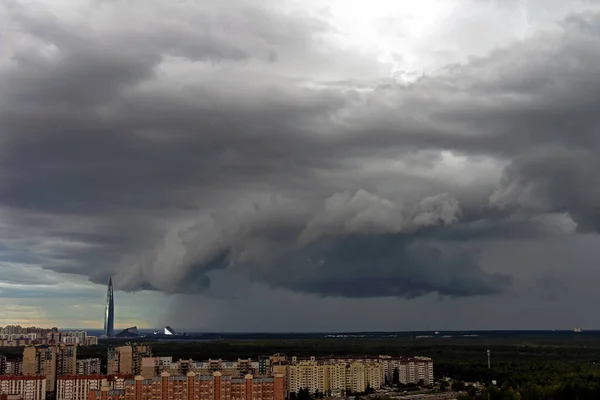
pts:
pixel 193 139
pixel 554 179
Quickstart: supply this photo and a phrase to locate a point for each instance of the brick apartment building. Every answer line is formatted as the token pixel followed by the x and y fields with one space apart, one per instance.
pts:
pixel 196 387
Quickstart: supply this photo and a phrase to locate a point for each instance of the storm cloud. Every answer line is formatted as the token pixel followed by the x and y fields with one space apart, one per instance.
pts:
pixel 159 143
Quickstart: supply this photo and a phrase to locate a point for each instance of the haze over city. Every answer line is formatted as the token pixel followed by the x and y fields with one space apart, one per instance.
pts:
pixel 295 165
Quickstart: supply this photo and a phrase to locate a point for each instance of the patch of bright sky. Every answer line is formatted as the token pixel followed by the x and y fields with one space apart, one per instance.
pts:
pixel 419 38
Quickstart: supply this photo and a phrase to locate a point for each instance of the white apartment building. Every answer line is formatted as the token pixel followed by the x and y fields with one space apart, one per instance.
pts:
pixel 333 378
pixel 411 369
pixel 77 387
pixel 28 387
pixel 334 375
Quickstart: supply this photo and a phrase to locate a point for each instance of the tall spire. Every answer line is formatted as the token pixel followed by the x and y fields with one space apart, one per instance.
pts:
pixel 109 315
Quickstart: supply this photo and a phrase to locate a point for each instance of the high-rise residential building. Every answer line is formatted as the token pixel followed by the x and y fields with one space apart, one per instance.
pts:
pixel 127 359
pixel 335 375
pixel 196 387
pixel 411 369
pixel 50 361
pixel 77 387
pixel 89 366
pixel 66 360
pixel 109 315
pixel 26 387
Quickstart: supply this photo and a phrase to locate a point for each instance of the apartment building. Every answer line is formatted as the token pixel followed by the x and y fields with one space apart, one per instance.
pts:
pixel 331 378
pixel 334 375
pixel 77 387
pixel 14 367
pixel 19 330
pixel 154 366
pixel 264 366
pixel 27 387
pixel 355 377
pixel 196 387
pixel 50 361
pixel 411 369
pixel 127 360
pixel 89 366
pixel 336 379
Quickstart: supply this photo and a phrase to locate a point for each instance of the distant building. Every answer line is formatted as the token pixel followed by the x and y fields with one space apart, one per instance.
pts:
pixel 128 333
pixel 333 375
pixel 24 331
pixel 89 366
pixel 168 331
pixel 26 387
pixel 127 359
pixel 411 369
pixel 109 313
pixel 2 365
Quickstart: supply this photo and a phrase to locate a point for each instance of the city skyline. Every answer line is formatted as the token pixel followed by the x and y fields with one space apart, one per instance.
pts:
pixel 278 165
pixel 132 370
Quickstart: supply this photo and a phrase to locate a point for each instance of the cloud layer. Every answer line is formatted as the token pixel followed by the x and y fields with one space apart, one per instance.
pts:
pixel 162 143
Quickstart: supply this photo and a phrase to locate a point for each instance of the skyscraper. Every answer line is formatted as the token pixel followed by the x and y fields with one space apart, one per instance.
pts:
pixel 109 315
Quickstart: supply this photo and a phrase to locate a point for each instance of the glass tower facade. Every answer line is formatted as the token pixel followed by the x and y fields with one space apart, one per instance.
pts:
pixel 109 315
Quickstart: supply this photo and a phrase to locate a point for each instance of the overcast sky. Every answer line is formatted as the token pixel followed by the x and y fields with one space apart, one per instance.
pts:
pixel 300 165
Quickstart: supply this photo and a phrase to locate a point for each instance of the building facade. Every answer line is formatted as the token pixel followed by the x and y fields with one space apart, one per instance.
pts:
pixel 196 387
pixel 27 387
pixel 50 361
pixel 77 387
pixel 154 366
pixel 14 367
pixel 410 369
pixel 337 375
pixel 127 360
pixel 89 366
